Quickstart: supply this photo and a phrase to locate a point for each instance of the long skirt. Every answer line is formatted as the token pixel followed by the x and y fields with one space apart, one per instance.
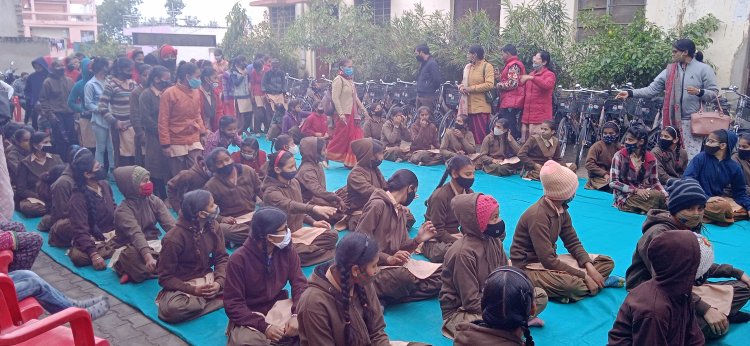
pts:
pixel 344 133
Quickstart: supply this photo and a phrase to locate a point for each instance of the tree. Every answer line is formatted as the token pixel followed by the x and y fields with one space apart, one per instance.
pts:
pixel 174 9
pixel 238 25
pixel 115 15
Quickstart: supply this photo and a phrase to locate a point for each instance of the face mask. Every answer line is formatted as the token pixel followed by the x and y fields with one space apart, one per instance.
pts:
pixel 212 216
pixel 631 148
pixel 194 83
pixel 410 196
pixel 321 158
pixel 495 230
pixel 215 85
pixel 498 132
pixel 226 170
pixel 320 111
pixel 418 57
pixel 664 144
pixel 348 71
pixel 711 150
pixel 59 71
pixel 147 189
pixel 567 201
pixel 363 279
pixel 536 66
pixel 71 67
pixel 688 219
pixel 162 84
pixel 744 153
pixel 376 163
pixel 465 183
pixel 609 139
pixel 123 76
pixel 459 127
pixel 294 150
pixel 101 174
pixel 285 242
pixel 47 149
pixel 379 113
pixel 288 175
pixel 249 157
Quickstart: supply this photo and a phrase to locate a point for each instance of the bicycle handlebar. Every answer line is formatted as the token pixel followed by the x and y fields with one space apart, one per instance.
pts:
pixel 389 84
pixel 398 80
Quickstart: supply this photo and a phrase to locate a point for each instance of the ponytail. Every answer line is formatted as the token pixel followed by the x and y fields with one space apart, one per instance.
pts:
pixel 454 164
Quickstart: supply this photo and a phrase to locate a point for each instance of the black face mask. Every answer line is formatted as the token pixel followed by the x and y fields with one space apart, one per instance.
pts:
pixel 410 196
pixel 48 149
pixel 71 67
pixel 631 147
pixel 744 153
pixel 419 58
pixel 466 183
pixel 664 144
pixel 711 150
pixel 226 170
pixel 459 127
pixel 288 175
pixel 495 230
pixel 376 163
pixel 101 174
pixel 162 84
pixel 567 201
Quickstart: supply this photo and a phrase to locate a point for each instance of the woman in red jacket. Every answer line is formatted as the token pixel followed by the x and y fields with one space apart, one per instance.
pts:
pixel 538 88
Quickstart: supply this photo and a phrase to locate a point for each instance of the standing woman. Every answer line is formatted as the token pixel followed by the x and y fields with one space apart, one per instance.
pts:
pixel 241 91
pixel 136 119
pixel 281 190
pixel 538 88
pixel 346 102
pixel 479 78
pixel 30 170
pixel 77 102
pixel 633 176
pixel 213 109
pixel 193 261
pixel 114 106
pixel 260 119
pixel 672 160
pixel 92 93
pixel 181 130
pixel 149 100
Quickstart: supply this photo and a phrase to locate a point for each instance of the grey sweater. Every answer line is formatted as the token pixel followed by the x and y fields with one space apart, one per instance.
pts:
pixel 696 74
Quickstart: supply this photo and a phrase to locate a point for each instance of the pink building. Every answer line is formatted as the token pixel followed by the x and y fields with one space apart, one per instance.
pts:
pixel 67 21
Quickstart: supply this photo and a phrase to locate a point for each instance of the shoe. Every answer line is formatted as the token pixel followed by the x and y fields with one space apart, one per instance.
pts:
pixel 739 317
pixel 614 281
pixel 98 310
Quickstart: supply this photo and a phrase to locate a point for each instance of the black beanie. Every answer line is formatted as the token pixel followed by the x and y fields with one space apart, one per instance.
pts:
pixel 266 221
pixel 684 193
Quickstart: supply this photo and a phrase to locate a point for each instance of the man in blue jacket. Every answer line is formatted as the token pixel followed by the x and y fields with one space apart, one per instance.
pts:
pixel 429 78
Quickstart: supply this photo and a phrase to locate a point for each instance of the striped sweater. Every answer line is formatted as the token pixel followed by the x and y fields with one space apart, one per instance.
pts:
pixel 114 104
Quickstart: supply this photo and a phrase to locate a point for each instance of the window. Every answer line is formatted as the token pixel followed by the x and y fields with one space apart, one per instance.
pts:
pixel 281 18
pixel 381 10
pixel 621 11
pixel 87 36
pixel 492 7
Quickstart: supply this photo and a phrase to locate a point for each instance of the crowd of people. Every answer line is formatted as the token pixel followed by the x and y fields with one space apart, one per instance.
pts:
pixel 161 131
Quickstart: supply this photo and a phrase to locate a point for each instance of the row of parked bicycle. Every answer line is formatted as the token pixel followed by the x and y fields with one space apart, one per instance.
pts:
pixel 579 112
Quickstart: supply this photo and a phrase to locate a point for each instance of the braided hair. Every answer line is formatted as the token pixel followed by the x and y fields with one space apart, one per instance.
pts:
pixel 454 164
pixel 274 161
pixel 639 133
pixel 354 249
pixel 507 301
pixel 266 220
pixel 193 203
pixel 675 133
pixel 281 141
pixel 84 163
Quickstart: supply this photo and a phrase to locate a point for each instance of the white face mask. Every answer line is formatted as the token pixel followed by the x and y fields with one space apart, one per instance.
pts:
pixel 294 150
pixel 496 131
pixel 286 241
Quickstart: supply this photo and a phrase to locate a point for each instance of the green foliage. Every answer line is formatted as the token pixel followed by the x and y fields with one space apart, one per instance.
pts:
pixel 107 49
pixel 115 15
pixel 238 26
pixel 634 53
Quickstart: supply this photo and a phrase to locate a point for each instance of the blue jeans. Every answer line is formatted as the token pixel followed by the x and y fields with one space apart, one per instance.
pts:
pixel 103 143
pixel 28 284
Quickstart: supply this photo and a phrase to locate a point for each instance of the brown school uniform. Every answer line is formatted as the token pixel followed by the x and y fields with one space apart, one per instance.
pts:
pixel 147 117
pixel 392 136
pixel 452 144
pixel 252 289
pixel 186 181
pixel 311 178
pixel 136 221
pixel 13 156
pixel 473 334
pixel 29 172
pixel 441 215
pixel 373 127
pixel 669 165
pixel 185 256
pixel 84 242
pixel 498 148
pixel 288 198
pixel 235 199
pixel 424 139
pixel 61 190
pixel 362 181
pixel 660 221
pixel 537 232
pixel 385 221
pixel 321 321
pixel 536 151
pixel 598 164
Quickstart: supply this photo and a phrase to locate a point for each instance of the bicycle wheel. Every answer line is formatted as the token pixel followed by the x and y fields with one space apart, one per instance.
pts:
pixel 305 104
pixel 653 138
pixel 446 122
pixel 563 134
pixel 583 137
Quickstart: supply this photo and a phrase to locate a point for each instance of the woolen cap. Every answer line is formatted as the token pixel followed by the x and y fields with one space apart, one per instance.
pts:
pixel 486 205
pixel 684 193
pixel 559 183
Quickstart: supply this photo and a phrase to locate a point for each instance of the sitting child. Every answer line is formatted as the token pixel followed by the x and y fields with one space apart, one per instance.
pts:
pixel 671 158
pixel 224 136
pixel 316 124
pixel 633 177
pixel 251 155
pixel 499 150
pixel 425 144
pixel 394 133
pixel 742 156
pixel 457 140
pixel 373 127
pixel 599 158
pixel 540 148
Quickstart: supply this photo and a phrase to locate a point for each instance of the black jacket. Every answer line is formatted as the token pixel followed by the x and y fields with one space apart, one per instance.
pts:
pixel 429 78
pixel 273 82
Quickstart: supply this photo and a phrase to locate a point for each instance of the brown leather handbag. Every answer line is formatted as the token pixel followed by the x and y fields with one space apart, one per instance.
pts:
pixel 703 123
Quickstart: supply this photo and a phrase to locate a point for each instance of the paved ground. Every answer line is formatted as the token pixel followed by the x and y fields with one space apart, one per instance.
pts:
pixel 122 325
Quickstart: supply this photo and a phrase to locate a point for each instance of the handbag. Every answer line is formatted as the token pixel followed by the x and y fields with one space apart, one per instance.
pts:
pixel 703 123
pixel 489 95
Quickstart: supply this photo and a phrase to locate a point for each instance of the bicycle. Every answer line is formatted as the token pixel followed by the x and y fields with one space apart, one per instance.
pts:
pixel 640 112
pixel 741 116
pixel 449 98
pixel 590 112
pixel 404 95
pixel 567 127
pixel 297 90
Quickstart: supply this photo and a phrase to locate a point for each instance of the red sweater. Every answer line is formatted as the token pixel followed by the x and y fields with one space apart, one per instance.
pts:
pixel 256 165
pixel 315 123
pixel 537 105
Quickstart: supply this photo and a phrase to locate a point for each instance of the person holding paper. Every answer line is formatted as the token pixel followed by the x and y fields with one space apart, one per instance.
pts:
pixel 458 140
pixel 30 169
pixel 499 150
pixel 394 135
pixel 310 176
pixel 540 148
pixel 259 308
pixel 384 218
pixel 425 140
pixel 313 244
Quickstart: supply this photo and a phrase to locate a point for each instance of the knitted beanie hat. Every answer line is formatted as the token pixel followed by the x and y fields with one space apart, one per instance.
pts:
pixel 707 255
pixel 559 183
pixel 486 205
pixel 138 174
pixel 684 193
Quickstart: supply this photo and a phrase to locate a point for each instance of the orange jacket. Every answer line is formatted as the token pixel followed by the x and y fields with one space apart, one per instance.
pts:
pixel 180 116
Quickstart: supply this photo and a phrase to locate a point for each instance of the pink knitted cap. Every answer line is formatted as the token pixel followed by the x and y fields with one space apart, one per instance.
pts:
pixel 559 183
pixel 486 205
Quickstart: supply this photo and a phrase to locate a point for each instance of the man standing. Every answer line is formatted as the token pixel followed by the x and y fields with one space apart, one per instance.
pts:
pixel 221 65
pixel 429 78
pixel 34 88
pixel 511 95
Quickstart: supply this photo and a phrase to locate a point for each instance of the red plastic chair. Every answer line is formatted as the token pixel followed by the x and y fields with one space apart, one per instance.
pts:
pixel 30 308
pixel 49 331
pixel 6 256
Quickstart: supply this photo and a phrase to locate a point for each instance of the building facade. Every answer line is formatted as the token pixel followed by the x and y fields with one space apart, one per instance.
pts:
pixel 72 21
